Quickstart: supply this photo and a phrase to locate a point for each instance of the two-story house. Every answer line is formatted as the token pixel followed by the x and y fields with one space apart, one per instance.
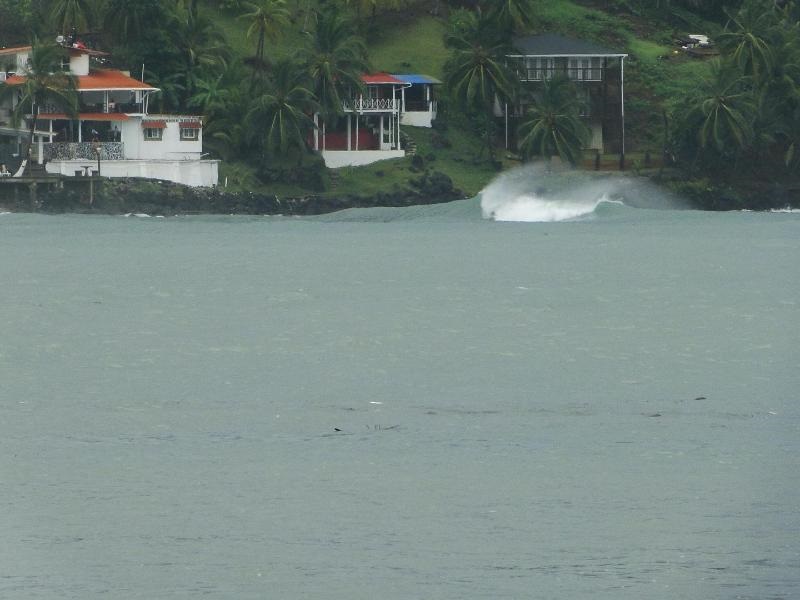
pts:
pixel 599 74
pixel 113 128
pixel 369 130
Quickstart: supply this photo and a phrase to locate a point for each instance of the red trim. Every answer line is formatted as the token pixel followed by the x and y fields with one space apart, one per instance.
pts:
pixel 191 125
pixel 154 124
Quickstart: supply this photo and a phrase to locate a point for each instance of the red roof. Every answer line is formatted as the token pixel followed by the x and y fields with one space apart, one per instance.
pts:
pixel 105 79
pixel 85 116
pixel 109 79
pixel 380 78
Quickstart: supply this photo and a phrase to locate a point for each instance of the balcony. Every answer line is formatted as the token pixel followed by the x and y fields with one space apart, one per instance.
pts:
pixel 84 150
pixel 575 74
pixel 371 105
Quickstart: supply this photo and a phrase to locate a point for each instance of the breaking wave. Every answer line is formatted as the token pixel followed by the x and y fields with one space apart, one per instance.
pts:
pixel 538 194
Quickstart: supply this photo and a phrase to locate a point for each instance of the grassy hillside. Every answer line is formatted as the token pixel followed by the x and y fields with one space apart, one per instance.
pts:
pixel 411 42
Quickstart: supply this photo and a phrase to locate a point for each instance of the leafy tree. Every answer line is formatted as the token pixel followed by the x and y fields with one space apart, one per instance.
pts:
pixel 43 82
pixel 278 119
pixel 552 125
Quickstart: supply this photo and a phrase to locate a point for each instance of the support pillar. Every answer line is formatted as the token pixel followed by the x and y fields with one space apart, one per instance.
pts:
pixel 622 102
pixel 349 134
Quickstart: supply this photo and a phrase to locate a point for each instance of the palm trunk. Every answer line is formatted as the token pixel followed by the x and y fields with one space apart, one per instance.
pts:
pixel 489 147
pixel 26 155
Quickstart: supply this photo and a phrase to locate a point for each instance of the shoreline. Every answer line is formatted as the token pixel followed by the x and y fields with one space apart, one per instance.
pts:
pixel 160 198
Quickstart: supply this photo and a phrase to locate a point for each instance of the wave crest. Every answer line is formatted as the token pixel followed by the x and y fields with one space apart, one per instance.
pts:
pixel 538 194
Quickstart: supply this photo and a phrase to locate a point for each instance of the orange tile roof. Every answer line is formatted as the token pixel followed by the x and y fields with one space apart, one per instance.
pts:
pixel 105 79
pixel 109 79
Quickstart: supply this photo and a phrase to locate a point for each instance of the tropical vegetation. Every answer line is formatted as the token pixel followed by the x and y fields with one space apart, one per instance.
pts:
pixel 259 69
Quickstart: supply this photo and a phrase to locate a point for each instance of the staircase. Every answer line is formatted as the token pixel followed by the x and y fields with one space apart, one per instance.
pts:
pixel 334 177
pixel 408 142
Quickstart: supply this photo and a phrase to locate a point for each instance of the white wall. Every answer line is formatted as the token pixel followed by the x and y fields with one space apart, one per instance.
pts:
pixel 79 64
pixel 354 158
pixel 195 173
pixel 169 147
pixel 417 118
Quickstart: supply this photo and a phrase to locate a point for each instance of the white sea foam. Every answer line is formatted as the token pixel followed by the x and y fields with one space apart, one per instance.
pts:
pixel 533 208
pixel 536 193
pixel 786 210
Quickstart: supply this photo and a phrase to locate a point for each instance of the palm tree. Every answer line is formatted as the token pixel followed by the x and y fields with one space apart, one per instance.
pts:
pixel 279 117
pixel 552 126
pixel 725 110
pixel 746 39
pixel 200 45
pixel 43 82
pixel 267 20
pixel 128 21
pixel 335 59
pixel 66 14
pixel 476 72
pixel 511 13
pixel 211 95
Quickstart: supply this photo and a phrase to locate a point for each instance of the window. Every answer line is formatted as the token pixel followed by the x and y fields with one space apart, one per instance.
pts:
pixel 152 134
pixel 585 69
pixel 190 133
pixel 538 69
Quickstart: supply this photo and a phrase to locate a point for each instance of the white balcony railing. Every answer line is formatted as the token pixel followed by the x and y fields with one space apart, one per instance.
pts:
pixel 84 151
pixel 371 105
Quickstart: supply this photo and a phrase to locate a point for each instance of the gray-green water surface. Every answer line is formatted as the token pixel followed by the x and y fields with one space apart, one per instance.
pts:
pixel 400 403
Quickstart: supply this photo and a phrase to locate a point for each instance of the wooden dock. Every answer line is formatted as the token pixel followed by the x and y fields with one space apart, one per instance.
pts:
pixel 13 188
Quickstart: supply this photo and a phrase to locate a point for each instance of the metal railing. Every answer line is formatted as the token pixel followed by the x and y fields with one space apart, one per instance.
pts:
pixel 545 73
pixel 84 150
pixel 371 104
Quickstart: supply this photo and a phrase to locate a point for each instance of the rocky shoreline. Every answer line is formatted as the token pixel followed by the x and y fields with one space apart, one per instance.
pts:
pixel 128 196
pixel 161 198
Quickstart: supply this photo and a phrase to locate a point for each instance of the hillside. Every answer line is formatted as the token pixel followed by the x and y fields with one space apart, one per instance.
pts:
pixel 412 41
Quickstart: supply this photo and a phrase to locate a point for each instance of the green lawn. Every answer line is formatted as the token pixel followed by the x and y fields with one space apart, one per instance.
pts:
pixel 393 53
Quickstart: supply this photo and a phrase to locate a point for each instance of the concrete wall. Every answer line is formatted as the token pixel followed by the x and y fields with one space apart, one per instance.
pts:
pixel 79 64
pixel 195 173
pixel 169 147
pixel 418 118
pixel 354 158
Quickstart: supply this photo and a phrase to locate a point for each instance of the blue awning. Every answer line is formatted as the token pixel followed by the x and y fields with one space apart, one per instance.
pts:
pixel 414 78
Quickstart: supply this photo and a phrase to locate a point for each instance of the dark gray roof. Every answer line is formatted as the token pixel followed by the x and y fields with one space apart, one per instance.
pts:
pixel 552 44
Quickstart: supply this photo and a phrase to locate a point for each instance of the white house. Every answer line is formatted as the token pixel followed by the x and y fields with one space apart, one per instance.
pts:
pixel 114 131
pixel 418 100
pixel 369 131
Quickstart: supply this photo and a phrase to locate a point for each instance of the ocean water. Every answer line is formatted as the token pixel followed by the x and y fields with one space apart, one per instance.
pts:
pixel 448 402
